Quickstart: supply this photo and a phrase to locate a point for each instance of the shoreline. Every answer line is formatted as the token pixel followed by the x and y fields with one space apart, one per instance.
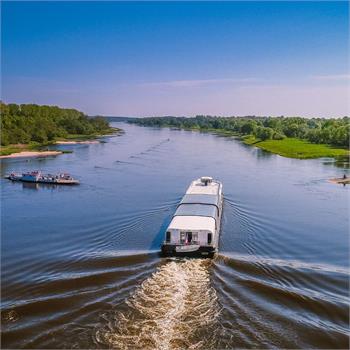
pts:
pixel 33 148
pixel 29 154
pixel 87 142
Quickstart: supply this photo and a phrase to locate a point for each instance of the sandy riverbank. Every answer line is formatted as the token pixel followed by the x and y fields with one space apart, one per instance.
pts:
pixel 26 154
pixel 340 180
pixel 88 142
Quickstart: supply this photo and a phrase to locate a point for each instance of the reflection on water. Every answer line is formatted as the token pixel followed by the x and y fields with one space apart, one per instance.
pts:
pixel 80 265
pixel 38 186
pixel 30 186
pixel 340 161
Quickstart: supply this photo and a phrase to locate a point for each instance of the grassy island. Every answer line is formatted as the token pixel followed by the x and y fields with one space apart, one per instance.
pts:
pixel 293 137
pixel 30 127
pixel 296 148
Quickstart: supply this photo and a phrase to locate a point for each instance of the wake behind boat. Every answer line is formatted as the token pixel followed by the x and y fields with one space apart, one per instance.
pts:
pixel 195 226
pixel 38 177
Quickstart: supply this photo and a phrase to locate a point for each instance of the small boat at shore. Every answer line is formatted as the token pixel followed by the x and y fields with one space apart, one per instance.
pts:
pixel 195 227
pixel 38 177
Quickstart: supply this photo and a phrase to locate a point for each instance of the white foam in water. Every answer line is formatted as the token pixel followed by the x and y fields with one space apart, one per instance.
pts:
pixel 168 311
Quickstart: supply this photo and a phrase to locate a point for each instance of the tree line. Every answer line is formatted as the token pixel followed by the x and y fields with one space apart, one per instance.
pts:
pixel 334 132
pixel 30 122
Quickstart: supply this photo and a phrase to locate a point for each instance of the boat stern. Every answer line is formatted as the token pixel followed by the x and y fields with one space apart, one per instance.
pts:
pixel 189 242
pixel 187 250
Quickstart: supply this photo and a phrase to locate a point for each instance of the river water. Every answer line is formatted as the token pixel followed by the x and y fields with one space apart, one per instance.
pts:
pixel 80 265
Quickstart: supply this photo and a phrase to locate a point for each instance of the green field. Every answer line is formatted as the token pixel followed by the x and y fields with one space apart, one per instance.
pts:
pixel 288 147
pixel 295 148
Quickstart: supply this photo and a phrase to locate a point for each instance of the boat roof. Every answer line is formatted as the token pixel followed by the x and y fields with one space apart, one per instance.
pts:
pixel 197 187
pixel 192 223
pixel 209 199
pixel 197 210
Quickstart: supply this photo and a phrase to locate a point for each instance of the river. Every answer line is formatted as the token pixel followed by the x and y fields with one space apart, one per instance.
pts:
pixel 81 269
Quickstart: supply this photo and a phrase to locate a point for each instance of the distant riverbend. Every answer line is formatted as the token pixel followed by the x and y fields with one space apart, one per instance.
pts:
pixel 296 137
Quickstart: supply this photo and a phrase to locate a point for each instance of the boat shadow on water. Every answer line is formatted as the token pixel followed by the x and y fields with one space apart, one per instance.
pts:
pixel 37 186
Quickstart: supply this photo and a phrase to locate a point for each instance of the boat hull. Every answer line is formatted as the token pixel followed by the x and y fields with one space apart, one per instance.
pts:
pixel 202 251
pixel 43 181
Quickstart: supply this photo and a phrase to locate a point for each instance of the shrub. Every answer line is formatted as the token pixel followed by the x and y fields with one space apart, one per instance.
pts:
pixel 278 136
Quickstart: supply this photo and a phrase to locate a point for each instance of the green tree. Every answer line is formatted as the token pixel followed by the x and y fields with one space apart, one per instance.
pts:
pixel 248 127
pixel 264 133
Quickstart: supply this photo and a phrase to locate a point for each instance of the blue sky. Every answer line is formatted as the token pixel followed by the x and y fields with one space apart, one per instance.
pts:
pixel 178 58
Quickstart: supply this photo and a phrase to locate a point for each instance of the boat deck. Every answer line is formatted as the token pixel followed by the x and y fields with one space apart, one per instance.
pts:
pixel 198 187
pixel 43 179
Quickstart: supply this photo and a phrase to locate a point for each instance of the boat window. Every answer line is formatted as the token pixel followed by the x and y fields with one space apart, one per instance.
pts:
pixel 209 238
pixel 182 237
pixel 168 236
pixel 195 237
pixel 189 237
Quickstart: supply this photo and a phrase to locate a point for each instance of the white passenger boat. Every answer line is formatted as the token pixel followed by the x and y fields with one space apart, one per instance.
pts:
pixel 195 226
